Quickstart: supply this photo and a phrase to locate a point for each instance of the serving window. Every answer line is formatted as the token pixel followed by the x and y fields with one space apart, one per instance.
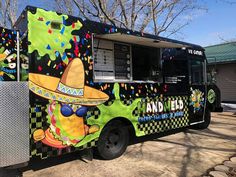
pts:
pixel 146 63
pixel 116 61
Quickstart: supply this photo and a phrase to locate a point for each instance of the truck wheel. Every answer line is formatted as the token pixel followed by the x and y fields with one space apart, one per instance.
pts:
pixel 206 123
pixel 113 140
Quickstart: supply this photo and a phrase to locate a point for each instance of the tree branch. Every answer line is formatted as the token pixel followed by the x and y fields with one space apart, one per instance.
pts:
pixel 100 5
pixel 133 14
pixel 172 20
pixel 123 12
pixel 153 17
pixel 80 9
pixel 5 16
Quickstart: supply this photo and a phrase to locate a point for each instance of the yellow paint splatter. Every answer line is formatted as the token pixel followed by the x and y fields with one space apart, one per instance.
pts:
pixel 89 58
pixel 49 62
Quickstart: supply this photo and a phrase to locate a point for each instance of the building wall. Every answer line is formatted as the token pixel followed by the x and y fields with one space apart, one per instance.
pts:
pixel 226 81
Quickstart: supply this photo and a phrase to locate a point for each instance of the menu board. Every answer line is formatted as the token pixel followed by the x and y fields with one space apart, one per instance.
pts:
pixel 122 61
pixel 103 60
pixel 111 60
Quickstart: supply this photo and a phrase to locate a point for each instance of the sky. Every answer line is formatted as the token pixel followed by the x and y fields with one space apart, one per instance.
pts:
pixel 214 26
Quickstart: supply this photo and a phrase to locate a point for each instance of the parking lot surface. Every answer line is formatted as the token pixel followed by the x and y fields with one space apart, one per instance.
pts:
pixel 188 153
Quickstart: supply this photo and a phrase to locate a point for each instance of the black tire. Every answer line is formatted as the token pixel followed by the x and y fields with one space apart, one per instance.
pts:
pixel 113 140
pixel 206 123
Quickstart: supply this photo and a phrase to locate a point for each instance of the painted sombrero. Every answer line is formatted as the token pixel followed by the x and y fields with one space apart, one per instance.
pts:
pixel 69 88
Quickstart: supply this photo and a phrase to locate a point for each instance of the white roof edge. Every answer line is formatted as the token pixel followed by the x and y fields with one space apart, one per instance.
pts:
pixel 140 40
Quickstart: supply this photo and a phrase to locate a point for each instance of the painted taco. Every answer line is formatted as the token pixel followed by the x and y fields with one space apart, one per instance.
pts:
pixel 65 118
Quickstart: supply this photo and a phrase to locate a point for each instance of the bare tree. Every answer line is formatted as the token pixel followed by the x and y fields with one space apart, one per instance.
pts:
pixel 225 40
pixel 64 6
pixel 153 16
pixel 8 12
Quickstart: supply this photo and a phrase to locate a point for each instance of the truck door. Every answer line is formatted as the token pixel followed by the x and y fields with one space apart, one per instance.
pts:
pixel 197 89
pixel 175 71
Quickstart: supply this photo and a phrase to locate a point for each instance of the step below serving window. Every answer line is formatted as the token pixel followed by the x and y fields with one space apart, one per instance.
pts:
pixel 115 61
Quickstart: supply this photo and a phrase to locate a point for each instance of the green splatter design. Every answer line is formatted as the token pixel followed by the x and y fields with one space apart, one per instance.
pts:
pixel 107 113
pixel 2 49
pixel 48 40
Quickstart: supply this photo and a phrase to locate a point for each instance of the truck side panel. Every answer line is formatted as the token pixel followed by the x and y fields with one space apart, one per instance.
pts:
pixel 69 109
pixel 14 106
pixel 57 85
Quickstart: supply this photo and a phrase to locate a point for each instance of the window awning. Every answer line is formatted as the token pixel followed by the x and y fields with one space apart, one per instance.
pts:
pixel 140 40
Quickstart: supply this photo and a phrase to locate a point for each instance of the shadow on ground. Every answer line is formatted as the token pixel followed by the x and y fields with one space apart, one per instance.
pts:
pixel 38 164
pixel 190 144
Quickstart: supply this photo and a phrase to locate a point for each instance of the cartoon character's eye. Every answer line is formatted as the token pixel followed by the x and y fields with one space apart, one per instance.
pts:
pixel 66 110
pixel 12 65
pixel 81 111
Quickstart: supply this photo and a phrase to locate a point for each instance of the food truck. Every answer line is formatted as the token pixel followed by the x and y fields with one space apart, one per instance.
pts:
pixel 69 84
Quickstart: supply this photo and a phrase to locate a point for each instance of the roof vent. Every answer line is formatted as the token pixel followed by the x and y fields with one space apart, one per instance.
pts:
pixel 56 25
